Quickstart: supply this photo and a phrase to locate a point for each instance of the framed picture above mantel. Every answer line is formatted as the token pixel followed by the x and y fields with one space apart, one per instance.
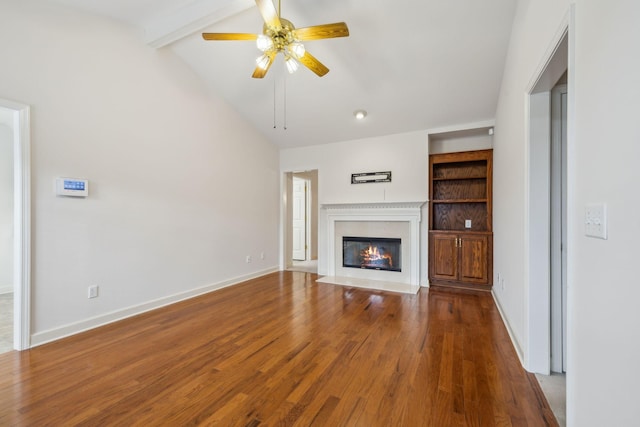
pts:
pixel 370 177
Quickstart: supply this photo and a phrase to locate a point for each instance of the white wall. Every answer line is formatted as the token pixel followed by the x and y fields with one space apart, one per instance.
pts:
pixel 535 25
pixel 604 145
pixel 405 155
pixel 6 208
pixel 604 292
pixel 175 174
pixel 472 142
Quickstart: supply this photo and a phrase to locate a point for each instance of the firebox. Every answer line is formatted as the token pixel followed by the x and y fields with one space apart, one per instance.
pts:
pixel 376 253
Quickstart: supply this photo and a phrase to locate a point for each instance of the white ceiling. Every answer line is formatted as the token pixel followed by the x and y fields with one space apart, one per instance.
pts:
pixel 412 65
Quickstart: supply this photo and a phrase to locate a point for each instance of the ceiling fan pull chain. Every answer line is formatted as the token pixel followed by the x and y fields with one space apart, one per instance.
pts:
pixel 274 104
pixel 285 101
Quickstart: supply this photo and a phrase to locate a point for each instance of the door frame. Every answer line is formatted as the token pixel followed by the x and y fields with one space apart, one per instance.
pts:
pixel 558 229
pixel 286 226
pixel 308 196
pixel 307 215
pixel 558 59
pixel 22 223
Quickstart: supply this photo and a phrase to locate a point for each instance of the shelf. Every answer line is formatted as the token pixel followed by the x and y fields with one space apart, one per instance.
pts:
pixel 460 201
pixel 460 231
pixel 460 220
pixel 460 178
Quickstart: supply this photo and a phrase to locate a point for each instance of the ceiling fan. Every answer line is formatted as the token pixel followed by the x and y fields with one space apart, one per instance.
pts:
pixel 279 35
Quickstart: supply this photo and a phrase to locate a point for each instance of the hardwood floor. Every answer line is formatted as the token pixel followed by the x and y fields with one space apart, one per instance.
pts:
pixel 283 350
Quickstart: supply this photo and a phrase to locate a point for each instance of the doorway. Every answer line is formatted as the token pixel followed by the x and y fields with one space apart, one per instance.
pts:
pixel 546 223
pixel 540 223
pixel 301 221
pixel 16 235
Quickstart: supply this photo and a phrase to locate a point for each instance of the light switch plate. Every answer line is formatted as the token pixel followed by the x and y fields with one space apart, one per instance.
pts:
pixel 595 220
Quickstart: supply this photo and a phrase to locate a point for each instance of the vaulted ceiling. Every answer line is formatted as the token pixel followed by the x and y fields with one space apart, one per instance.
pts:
pixel 412 65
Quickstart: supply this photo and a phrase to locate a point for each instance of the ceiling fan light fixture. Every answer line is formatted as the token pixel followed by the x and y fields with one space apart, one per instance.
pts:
pixel 264 42
pixel 262 61
pixel 297 49
pixel 279 35
pixel 291 63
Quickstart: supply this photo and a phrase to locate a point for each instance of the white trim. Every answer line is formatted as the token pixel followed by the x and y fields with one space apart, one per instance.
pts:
pixel 23 118
pixel 410 212
pixel 507 325
pixel 283 232
pixel 308 215
pixel 22 223
pixel 538 214
pixel 463 127
pixel 547 58
pixel 104 319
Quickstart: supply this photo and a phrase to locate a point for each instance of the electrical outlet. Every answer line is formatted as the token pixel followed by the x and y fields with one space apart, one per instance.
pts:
pixel 248 259
pixel 467 223
pixel 92 292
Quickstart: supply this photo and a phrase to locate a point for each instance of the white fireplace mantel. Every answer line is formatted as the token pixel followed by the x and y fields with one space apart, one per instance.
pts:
pixel 409 212
pixel 412 208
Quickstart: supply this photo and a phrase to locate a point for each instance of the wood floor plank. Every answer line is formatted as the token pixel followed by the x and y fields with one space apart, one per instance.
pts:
pixel 283 350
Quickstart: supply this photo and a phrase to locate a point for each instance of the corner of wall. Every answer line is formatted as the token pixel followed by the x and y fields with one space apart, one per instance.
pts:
pixel 510 331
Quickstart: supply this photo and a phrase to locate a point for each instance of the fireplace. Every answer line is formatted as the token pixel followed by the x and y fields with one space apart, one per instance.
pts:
pixel 373 221
pixel 376 253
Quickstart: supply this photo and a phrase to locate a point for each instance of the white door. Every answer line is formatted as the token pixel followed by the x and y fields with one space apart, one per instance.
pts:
pixel 299 219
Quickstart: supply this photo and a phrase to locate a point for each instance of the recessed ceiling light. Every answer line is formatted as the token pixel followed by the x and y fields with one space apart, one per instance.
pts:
pixel 360 114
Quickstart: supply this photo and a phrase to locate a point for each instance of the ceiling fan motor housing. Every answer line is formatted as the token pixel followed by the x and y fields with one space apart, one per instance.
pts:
pixel 282 36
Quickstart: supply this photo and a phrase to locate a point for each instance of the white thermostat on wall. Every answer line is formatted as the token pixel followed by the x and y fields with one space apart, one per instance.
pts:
pixel 74 187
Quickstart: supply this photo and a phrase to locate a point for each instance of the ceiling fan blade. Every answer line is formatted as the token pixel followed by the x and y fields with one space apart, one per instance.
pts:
pixel 229 36
pixel 260 72
pixel 269 13
pixel 313 64
pixel 326 31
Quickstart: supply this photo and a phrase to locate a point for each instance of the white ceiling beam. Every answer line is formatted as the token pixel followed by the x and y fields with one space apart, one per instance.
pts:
pixel 463 127
pixel 194 17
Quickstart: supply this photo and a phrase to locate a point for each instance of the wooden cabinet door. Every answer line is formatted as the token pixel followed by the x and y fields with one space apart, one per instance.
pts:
pixel 444 256
pixel 474 252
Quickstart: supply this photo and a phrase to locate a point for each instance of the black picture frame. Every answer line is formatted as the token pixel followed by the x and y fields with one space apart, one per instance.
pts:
pixel 370 177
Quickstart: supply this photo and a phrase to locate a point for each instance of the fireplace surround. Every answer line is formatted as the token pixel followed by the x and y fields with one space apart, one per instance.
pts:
pixel 371 220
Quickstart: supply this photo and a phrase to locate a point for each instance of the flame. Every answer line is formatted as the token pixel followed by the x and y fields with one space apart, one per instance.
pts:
pixel 372 255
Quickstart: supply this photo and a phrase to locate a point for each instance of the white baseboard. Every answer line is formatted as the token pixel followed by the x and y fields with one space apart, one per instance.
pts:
pixel 50 335
pixel 6 289
pixel 514 341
